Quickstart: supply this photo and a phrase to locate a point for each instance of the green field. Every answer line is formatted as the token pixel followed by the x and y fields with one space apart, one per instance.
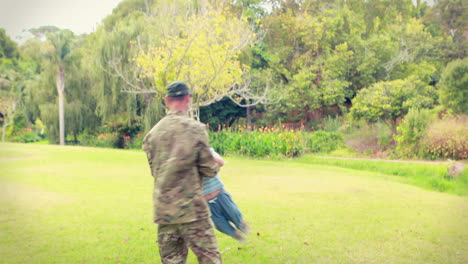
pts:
pixel 85 205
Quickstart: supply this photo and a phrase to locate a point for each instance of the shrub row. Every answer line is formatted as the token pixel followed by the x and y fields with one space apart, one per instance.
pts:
pixel 267 142
pixel 263 142
pixel 111 140
pixel 25 135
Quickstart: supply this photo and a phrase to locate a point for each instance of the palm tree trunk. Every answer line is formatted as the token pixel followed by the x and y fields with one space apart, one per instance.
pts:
pixel 61 94
pixel 4 129
pixel 7 121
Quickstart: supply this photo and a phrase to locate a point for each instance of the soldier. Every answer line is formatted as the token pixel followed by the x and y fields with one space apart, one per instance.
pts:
pixel 179 156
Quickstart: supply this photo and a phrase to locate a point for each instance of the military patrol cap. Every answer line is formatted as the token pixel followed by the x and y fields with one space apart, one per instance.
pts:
pixel 177 88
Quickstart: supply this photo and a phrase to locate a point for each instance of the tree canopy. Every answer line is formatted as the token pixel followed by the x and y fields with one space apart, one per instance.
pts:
pixel 373 59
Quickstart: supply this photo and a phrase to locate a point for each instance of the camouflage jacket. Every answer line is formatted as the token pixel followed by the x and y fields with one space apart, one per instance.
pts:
pixel 179 156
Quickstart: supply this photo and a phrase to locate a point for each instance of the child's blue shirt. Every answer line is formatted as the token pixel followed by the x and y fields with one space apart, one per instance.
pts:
pixel 212 184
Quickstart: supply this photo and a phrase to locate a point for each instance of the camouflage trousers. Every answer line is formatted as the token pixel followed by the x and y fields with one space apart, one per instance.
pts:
pixel 175 239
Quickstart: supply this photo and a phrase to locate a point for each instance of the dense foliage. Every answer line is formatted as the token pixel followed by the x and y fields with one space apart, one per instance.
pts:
pixel 447 138
pixel 388 101
pixel 454 86
pixel 411 131
pixel 255 63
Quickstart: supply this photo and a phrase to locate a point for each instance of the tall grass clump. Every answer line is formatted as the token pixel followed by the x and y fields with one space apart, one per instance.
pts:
pixel 411 131
pixel 325 142
pixel 331 124
pixel 447 138
pixel 369 139
pixel 272 142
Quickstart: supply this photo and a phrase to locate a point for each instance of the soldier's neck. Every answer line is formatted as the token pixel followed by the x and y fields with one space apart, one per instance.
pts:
pixel 178 107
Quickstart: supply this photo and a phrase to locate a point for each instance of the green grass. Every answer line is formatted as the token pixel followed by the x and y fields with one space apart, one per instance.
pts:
pixel 428 175
pixel 86 205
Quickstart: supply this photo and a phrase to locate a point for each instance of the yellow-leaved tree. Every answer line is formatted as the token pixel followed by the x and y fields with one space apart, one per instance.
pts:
pixel 200 48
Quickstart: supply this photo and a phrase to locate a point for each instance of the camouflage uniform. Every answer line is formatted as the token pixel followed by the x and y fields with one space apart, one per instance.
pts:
pixel 179 156
pixel 199 236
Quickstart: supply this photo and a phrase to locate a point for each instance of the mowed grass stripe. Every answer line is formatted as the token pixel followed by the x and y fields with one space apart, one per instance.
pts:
pixel 86 205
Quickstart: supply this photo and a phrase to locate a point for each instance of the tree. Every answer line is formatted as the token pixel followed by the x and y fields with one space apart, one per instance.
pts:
pixel 60 44
pixel 223 112
pixel 8 106
pixel 11 89
pixel 453 15
pixel 390 100
pixel 108 60
pixel 39 100
pixel 113 70
pixel 447 19
pixel 8 48
pixel 322 83
pixel 453 86
pixel 123 10
pixel 80 109
pixel 202 49
pixel 10 82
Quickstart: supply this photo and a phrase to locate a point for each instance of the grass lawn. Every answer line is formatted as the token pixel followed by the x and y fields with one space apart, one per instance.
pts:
pixel 85 205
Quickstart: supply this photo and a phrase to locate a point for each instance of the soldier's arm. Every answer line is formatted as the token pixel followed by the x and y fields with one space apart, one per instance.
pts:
pixel 147 148
pixel 207 165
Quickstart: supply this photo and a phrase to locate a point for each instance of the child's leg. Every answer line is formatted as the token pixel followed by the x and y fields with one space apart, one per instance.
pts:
pixel 231 211
pixel 220 221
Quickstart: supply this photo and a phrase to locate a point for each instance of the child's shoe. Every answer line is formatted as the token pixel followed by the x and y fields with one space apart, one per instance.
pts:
pixel 245 228
pixel 240 237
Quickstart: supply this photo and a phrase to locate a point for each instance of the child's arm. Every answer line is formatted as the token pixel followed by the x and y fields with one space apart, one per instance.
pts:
pixel 217 158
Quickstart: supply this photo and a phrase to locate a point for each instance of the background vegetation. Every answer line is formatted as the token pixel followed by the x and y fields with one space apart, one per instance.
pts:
pixel 383 77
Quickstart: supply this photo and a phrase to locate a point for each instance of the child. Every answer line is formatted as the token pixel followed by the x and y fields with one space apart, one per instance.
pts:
pixel 223 209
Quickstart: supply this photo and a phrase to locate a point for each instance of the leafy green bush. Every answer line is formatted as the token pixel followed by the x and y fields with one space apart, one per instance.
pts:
pixel 19 132
pixel 322 141
pixel 135 142
pixel 447 138
pixel 25 135
pixel 411 130
pixel 120 129
pixel 103 140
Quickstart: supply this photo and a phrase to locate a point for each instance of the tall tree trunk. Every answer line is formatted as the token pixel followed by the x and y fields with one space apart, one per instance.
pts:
pixel 194 110
pixel 4 129
pixel 195 113
pixel 7 121
pixel 61 94
pixel 249 118
pixel 393 126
